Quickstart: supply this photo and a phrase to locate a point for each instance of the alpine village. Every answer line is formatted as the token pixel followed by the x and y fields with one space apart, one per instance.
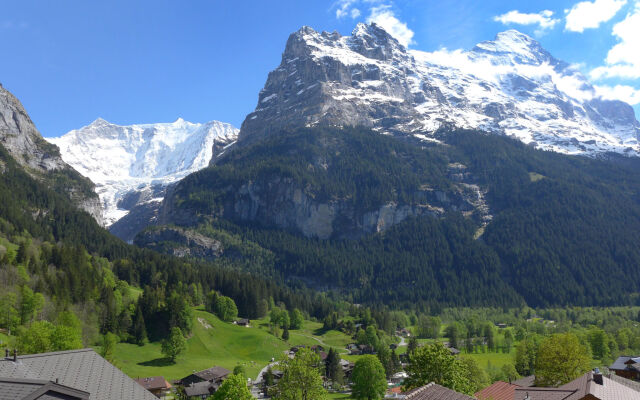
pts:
pixel 386 223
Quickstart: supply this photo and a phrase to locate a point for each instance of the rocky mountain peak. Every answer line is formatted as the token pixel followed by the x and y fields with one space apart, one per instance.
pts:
pixel 510 85
pixel 40 159
pixel 516 47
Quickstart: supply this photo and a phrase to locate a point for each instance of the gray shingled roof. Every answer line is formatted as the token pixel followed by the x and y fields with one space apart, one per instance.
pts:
pixel 79 369
pixel 32 389
pixel 620 363
pixel 201 388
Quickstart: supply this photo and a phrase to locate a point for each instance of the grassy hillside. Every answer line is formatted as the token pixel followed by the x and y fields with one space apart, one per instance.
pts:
pixel 214 342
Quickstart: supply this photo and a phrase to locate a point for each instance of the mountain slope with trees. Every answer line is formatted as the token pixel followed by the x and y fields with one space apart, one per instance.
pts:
pixel 543 217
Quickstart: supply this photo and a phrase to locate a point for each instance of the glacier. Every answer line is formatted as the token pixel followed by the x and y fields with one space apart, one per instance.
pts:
pixel 141 158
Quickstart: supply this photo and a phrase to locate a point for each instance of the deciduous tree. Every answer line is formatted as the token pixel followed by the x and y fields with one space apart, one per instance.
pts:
pixel 561 358
pixel 369 380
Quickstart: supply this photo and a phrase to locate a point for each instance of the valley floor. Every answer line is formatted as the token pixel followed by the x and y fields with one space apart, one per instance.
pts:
pixel 214 342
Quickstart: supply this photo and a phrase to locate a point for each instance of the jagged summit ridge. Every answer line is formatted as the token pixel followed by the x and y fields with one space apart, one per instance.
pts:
pixel 510 85
pixel 141 158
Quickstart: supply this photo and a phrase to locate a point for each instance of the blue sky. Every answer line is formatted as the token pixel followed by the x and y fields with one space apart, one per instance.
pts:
pixel 70 62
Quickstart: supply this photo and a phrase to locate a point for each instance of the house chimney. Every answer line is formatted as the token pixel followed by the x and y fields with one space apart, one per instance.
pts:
pixel 15 355
pixel 597 376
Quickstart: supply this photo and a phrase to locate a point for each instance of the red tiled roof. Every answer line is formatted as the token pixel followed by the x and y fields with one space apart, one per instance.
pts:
pixel 498 391
pixel 154 382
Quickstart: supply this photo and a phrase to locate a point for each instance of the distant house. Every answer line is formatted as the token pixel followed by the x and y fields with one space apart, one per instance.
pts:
pixel 403 332
pixel 156 385
pixel 243 322
pixel 212 375
pixel 501 325
pixel 72 373
pixel 200 390
pixel 453 351
pixel 433 391
pixel 590 386
pixel 526 381
pixel 316 348
pixel 627 367
pixel 347 367
pixel 498 391
pixel 398 377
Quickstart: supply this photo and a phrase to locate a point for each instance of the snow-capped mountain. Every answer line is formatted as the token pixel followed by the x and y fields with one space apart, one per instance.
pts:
pixel 134 164
pixel 510 85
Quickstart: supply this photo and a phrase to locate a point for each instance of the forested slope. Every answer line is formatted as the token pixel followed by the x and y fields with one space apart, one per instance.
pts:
pixel 559 229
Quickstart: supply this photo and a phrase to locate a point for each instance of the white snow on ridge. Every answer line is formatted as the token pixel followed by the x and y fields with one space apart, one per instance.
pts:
pixel 510 85
pixel 125 159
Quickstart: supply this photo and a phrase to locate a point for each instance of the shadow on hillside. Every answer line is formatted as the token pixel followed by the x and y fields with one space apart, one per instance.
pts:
pixel 158 362
pixel 320 331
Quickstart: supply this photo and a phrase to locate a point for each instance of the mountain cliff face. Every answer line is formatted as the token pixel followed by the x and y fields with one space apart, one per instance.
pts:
pixel 133 165
pixel 326 183
pixel 510 85
pixel 41 159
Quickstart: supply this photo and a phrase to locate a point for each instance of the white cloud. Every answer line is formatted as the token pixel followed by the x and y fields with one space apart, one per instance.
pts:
pixel 342 9
pixel 384 16
pixel 544 19
pixel 355 13
pixel 587 14
pixel 615 71
pixel 625 93
pixel 623 59
pixel 628 32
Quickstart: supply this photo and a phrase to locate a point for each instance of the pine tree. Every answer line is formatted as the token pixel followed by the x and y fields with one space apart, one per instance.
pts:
pixel 333 369
pixel 139 329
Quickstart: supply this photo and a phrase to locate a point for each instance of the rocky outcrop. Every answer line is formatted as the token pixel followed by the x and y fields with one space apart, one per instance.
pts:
pixel 279 202
pixel 510 85
pixel 41 159
pixel 180 242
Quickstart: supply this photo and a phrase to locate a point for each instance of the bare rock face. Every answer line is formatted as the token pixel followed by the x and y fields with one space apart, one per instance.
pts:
pixel 183 242
pixel 510 85
pixel 280 202
pixel 41 159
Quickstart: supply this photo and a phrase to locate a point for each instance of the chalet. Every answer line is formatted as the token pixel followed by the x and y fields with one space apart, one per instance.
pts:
pixel 404 332
pixel 347 367
pixel 433 391
pixel 72 374
pixel 317 348
pixel 212 375
pixel 525 381
pixel 200 390
pixel 627 367
pixel 590 386
pixel 398 378
pixel 243 322
pixel 498 391
pixel 156 385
